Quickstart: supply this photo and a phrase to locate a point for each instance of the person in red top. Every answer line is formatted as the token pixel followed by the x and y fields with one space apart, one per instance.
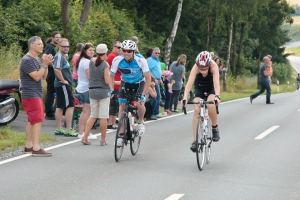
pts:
pixel 114 103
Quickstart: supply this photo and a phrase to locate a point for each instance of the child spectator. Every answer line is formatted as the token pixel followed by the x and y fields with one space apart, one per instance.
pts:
pixel 270 68
pixel 168 90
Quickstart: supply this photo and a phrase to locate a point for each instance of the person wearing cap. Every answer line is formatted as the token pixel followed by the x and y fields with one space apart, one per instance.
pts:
pixel 168 90
pixel 135 75
pixel 98 93
pixel 82 88
pixel 63 88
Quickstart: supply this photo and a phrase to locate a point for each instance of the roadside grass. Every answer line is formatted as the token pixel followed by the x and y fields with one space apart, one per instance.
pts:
pixel 293 51
pixel 11 140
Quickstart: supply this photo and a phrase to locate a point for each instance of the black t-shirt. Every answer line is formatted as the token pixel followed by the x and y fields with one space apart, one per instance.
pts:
pixel 204 83
pixel 50 49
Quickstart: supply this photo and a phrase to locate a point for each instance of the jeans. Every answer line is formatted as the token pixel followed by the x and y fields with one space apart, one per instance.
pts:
pixel 156 108
pixel 264 85
pixel 149 107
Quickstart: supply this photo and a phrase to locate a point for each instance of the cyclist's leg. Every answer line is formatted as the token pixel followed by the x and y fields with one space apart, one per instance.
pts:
pixel 141 109
pixel 213 115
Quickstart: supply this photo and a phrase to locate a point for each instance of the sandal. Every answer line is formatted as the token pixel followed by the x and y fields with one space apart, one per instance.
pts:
pixel 103 142
pixel 85 141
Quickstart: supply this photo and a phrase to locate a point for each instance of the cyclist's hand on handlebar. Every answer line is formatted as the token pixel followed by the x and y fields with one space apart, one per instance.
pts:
pixel 183 102
pixel 111 93
pixel 142 98
pixel 217 101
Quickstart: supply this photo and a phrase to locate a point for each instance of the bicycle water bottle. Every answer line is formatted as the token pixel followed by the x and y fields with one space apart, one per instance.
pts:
pixel 131 121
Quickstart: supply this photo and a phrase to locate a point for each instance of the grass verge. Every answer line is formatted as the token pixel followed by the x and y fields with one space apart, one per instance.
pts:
pixel 11 140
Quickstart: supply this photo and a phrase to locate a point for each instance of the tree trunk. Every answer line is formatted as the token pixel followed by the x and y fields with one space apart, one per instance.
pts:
pixel 228 53
pixel 233 54
pixel 171 38
pixel 85 12
pixel 208 33
pixel 65 17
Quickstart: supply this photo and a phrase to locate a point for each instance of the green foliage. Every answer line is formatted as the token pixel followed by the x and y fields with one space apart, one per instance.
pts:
pixel 230 84
pixel 10 59
pixel 281 72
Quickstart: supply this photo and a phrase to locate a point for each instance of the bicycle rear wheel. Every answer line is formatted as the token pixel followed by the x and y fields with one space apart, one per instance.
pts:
pixel 135 142
pixel 200 153
pixel 121 133
pixel 208 141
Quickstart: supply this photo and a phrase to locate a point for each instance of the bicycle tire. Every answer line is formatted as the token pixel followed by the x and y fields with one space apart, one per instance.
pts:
pixel 200 152
pixel 208 141
pixel 135 142
pixel 123 120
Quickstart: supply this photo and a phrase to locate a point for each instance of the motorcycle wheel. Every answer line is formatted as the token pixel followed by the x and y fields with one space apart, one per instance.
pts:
pixel 9 113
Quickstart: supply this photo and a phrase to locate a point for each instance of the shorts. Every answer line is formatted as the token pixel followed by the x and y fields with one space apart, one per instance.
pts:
pixel 200 92
pixel 34 109
pixel 114 105
pixel 64 96
pixel 84 98
pixel 100 108
pixel 128 87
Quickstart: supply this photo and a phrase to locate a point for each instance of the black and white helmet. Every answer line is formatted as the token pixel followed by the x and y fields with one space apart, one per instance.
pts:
pixel 129 44
pixel 203 59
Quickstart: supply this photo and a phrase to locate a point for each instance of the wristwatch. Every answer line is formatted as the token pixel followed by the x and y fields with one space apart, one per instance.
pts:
pixel 218 96
pixel 44 66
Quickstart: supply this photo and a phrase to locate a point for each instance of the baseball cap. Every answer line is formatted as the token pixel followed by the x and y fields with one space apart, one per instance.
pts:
pixel 168 73
pixel 101 48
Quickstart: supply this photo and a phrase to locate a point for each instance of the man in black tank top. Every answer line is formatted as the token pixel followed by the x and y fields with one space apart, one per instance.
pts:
pixel 205 75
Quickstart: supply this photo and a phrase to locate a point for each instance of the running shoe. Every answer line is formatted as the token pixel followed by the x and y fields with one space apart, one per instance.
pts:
pixel 60 132
pixel 71 133
pixel 141 129
pixel 120 142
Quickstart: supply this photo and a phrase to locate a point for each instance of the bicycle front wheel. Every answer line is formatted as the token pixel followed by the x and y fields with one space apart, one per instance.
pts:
pixel 200 144
pixel 135 142
pixel 120 137
pixel 209 141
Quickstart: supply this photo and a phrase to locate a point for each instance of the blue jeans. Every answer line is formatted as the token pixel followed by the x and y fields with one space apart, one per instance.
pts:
pixel 156 108
pixel 264 85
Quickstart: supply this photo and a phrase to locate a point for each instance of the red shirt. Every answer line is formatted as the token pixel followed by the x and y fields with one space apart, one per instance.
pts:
pixel 109 60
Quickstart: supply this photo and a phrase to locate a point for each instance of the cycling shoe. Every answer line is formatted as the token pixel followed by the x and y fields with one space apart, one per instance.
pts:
pixel 216 135
pixel 193 146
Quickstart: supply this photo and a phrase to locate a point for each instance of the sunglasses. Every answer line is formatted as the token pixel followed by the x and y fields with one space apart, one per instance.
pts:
pixel 203 69
pixel 126 51
pixel 157 53
pixel 64 46
pixel 117 47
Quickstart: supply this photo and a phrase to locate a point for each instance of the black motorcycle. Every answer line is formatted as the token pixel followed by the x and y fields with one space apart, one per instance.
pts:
pixel 9 106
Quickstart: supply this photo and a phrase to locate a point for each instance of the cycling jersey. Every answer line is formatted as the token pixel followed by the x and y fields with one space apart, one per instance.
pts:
pixel 131 72
pixel 204 83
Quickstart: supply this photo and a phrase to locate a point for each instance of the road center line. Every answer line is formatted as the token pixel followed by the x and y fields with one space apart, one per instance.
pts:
pixel 174 197
pixel 261 136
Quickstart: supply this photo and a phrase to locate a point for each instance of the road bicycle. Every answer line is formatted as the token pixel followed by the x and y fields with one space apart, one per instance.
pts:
pixel 203 132
pixel 126 129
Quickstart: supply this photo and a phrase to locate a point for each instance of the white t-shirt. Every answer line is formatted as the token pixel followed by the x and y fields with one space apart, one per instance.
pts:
pixel 83 81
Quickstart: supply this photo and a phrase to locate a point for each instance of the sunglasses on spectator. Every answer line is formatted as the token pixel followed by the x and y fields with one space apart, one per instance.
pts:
pixel 64 46
pixel 157 53
pixel 117 47
pixel 126 51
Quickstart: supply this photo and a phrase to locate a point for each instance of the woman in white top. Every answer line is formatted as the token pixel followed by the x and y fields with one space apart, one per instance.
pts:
pixel 82 88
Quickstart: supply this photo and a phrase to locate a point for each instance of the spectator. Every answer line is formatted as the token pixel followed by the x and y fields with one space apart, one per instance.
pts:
pixel 168 90
pixel 63 87
pixel 136 41
pixel 79 47
pixel 114 103
pixel 32 73
pixel 51 49
pixel 178 69
pixel 82 88
pixel 148 53
pixel 155 69
pixel 264 82
pixel 99 88
pixel 150 102
pixel 298 81
pixel 213 56
pixel 219 63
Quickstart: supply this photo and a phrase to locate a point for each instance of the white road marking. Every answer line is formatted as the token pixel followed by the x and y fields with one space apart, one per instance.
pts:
pixel 261 136
pixel 174 197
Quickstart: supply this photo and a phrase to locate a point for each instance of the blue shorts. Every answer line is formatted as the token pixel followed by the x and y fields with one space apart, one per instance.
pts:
pixel 84 98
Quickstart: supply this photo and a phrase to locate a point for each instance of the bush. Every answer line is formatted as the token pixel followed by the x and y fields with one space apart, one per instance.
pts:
pixel 281 72
pixel 10 60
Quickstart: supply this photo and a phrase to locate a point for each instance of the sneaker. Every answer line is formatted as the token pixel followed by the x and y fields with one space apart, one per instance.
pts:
pixel 216 135
pixel 169 112
pixel 175 111
pixel 60 132
pixel 111 127
pixel 71 133
pixel 158 116
pixel 120 142
pixel 41 153
pixel 50 117
pixel 28 150
pixel 193 146
pixel 91 136
pixel 141 129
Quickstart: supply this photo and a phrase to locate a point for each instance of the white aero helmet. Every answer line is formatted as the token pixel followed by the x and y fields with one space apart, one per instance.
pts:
pixel 203 59
pixel 128 44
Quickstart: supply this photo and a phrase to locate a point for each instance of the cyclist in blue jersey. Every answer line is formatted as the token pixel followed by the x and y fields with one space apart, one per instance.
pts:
pixel 135 74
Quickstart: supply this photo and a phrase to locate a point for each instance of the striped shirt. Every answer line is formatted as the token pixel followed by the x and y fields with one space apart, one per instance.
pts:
pixel 29 87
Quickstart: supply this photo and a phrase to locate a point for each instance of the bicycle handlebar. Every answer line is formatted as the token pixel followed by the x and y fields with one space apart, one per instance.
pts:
pixel 198 102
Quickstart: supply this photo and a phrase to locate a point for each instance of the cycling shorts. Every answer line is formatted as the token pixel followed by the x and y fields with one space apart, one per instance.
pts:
pixel 128 87
pixel 203 93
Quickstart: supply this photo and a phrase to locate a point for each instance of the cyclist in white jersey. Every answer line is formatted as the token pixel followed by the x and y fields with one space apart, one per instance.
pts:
pixel 135 74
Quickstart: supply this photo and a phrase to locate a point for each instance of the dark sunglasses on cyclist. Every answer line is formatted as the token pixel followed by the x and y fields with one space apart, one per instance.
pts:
pixel 203 69
pixel 126 51
pixel 117 47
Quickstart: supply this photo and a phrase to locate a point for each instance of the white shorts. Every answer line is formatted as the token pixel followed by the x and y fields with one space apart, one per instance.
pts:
pixel 100 108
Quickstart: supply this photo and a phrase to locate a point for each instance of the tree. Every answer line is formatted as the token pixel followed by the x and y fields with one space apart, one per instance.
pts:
pixel 171 38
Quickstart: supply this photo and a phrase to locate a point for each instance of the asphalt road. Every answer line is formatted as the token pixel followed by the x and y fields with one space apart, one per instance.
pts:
pixel 257 158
